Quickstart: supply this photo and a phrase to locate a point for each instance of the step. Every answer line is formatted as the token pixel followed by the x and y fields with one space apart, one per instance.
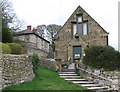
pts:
pixel 70 77
pixel 68 74
pixel 68 70
pixel 75 79
pixel 95 88
pixel 105 91
pixel 82 82
pixel 90 85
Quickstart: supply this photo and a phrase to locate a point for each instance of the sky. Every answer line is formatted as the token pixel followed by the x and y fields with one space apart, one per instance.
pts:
pixel 38 12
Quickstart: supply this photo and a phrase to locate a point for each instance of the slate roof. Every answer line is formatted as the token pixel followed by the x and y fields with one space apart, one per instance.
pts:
pixel 27 32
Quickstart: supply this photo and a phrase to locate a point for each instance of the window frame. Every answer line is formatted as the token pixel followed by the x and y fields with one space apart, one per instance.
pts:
pixel 87 27
pixel 76 22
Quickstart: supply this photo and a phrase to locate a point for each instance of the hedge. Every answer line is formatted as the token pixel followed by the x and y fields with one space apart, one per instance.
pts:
pixel 15 48
pixel 7 36
pixel 5 48
pixel 105 57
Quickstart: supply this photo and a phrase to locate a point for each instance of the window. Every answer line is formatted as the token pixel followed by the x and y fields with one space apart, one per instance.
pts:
pixel 79 18
pixel 80 29
pixel 26 38
pixel 80 26
pixel 77 39
pixel 84 28
pixel 74 29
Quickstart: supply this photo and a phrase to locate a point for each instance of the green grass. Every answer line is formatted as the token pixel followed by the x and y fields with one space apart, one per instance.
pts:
pixel 47 80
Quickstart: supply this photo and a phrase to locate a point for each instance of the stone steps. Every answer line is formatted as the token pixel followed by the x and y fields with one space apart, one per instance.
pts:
pixel 95 88
pixel 90 85
pixel 82 82
pixel 69 75
pixel 75 79
pixel 66 72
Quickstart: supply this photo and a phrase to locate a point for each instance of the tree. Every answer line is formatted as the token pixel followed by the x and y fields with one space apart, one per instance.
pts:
pixel 48 32
pixel 0 24
pixel 52 30
pixel 41 29
pixel 6 35
pixel 9 18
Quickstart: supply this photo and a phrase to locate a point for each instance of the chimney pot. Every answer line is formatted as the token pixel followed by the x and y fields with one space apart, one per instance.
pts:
pixel 29 27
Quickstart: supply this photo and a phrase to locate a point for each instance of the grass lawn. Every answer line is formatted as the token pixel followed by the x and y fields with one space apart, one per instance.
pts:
pixel 47 80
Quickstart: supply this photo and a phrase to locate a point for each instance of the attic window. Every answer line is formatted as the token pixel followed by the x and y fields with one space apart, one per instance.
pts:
pixel 79 18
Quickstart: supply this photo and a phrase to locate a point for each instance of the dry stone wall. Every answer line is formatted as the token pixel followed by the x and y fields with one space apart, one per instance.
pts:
pixel 108 79
pixel 31 48
pixel 48 64
pixel 15 69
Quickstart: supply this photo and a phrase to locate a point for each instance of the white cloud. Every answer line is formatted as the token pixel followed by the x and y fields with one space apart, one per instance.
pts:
pixel 37 12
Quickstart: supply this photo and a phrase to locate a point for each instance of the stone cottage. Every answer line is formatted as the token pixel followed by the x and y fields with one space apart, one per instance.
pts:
pixel 32 42
pixel 79 32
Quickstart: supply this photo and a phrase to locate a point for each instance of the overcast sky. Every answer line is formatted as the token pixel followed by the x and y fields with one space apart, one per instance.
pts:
pixel 38 12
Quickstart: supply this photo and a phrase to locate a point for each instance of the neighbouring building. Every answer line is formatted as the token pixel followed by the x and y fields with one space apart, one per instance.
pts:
pixel 32 42
pixel 79 32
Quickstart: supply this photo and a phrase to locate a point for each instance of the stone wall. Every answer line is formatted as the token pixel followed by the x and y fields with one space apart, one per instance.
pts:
pixel 16 69
pixel 31 48
pixel 108 79
pixel 48 64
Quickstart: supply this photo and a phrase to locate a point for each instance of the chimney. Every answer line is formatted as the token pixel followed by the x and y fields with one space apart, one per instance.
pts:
pixel 29 27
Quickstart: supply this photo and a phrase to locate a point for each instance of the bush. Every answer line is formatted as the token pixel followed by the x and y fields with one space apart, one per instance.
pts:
pixel 102 57
pixel 15 48
pixel 6 35
pixel 5 48
pixel 35 60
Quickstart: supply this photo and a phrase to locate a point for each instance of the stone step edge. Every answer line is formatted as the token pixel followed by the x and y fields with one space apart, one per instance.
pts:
pixel 75 79
pixel 95 88
pixel 71 76
pixel 83 82
pixel 90 85
pixel 68 74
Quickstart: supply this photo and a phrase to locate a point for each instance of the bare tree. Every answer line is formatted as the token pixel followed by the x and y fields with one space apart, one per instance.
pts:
pixel 9 18
pixel 0 26
pixel 41 30
pixel 52 30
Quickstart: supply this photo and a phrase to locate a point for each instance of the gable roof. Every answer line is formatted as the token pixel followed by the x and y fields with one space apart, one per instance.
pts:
pixel 27 32
pixel 86 13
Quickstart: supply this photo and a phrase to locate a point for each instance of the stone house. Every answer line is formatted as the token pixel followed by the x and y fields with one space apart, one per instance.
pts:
pixel 79 32
pixel 32 42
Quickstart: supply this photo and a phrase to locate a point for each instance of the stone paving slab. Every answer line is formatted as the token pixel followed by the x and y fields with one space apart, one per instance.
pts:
pixel 67 74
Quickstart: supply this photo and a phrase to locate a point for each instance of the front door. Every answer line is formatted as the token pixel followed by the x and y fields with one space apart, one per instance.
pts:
pixel 76 50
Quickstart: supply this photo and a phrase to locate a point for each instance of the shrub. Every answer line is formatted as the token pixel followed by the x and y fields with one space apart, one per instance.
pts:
pixel 6 35
pixel 102 57
pixel 5 48
pixel 35 60
pixel 15 48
